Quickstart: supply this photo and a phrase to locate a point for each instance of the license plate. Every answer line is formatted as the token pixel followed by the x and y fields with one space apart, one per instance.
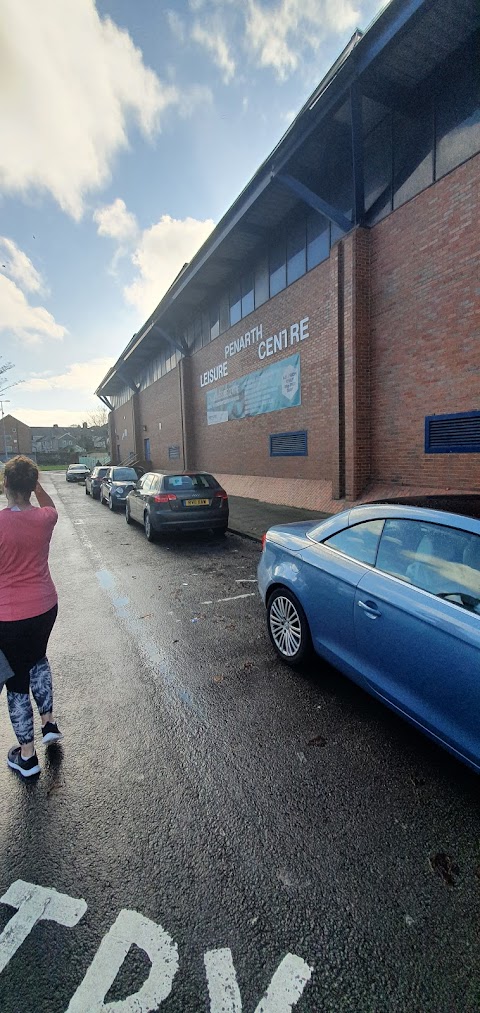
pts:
pixel 197 502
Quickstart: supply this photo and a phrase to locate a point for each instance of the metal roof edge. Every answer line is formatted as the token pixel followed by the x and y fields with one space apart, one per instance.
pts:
pixel 361 49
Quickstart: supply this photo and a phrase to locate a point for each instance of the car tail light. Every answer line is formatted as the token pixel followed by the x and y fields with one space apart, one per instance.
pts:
pixel 164 498
pixel 221 494
pixel 264 541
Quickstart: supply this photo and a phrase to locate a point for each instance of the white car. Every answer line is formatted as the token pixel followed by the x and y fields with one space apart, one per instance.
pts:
pixel 76 473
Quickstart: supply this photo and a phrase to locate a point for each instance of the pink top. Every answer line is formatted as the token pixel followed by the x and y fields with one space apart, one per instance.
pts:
pixel 26 587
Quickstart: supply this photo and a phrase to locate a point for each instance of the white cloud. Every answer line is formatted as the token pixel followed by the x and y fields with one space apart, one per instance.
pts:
pixel 278 35
pixel 177 26
pixel 49 416
pixel 115 221
pixel 213 40
pixel 81 377
pixel 163 250
pixel 70 83
pixel 19 267
pixel 29 323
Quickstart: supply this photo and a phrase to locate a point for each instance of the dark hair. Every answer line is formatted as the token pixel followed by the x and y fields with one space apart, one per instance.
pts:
pixel 21 475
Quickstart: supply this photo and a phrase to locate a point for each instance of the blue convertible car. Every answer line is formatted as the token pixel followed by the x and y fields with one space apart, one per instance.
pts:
pixel 390 595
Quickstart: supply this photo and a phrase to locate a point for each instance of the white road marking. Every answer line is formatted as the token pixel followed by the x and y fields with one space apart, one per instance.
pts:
pixel 283 992
pixel 251 594
pixel 33 904
pixel 130 928
pixel 245 580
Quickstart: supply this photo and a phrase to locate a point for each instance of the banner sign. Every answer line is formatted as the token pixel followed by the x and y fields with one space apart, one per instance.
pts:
pixel 267 390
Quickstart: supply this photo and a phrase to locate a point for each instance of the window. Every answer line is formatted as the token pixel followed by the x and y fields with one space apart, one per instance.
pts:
pixel 146 482
pixel 261 281
pixel 278 267
pixel 360 541
pixel 248 302
pixel 214 322
pixel 235 303
pixel 435 558
pixel 458 118
pixel 296 251
pixel 318 239
pixel 203 481
pixel 378 170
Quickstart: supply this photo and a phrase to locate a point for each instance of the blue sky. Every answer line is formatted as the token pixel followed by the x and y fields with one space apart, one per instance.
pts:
pixel 128 128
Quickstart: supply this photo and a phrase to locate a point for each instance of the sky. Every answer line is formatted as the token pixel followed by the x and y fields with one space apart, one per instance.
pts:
pixel 128 129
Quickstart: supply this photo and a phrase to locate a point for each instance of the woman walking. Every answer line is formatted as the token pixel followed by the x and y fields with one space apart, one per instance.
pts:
pixel 28 608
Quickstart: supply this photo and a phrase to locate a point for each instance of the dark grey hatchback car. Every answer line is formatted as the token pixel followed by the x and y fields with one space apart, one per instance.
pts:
pixel 168 502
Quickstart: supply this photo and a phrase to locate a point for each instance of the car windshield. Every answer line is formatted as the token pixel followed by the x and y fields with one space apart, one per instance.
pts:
pixel 99 472
pixel 124 475
pixel 191 482
pixel 77 467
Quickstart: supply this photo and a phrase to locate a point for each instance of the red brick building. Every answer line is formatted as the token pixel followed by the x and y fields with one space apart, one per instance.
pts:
pixel 15 437
pixel 323 343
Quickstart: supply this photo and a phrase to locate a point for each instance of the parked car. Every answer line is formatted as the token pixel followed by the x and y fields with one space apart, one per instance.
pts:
pixel 93 481
pixel 390 595
pixel 172 502
pixel 76 473
pixel 115 486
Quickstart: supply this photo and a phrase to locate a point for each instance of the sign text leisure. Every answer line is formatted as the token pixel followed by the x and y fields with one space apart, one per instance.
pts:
pixel 285 338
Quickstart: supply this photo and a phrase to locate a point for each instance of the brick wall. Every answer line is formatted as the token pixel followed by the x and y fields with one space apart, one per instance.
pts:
pixel 121 422
pixel 425 329
pixel 160 403
pixel 394 332
pixel 242 446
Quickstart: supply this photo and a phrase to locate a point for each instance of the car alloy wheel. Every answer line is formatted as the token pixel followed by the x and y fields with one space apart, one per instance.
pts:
pixel 288 627
pixel 149 533
pixel 110 502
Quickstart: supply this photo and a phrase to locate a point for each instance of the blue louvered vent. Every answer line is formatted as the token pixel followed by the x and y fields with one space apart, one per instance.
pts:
pixel 453 434
pixel 289 444
pixel 173 453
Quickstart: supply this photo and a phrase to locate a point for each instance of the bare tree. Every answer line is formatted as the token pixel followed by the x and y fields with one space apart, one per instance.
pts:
pixel 5 367
pixel 98 417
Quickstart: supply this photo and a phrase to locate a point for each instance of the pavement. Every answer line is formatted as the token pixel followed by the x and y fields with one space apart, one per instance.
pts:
pixel 251 517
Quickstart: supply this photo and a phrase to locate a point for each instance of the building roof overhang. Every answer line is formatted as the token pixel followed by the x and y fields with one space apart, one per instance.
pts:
pixel 399 51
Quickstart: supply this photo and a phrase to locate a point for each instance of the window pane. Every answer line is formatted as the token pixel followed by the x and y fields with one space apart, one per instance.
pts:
pixel 261 281
pixel 224 313
pixel 318 239
pixel 378 171
pixel 412 154
pixel 235 304
pixel 296 250
pixel 247 295
pixel 458 121
pixel 444 561
pixel 278 267
pixel 360 541
pixel 214 322
pixel 197 330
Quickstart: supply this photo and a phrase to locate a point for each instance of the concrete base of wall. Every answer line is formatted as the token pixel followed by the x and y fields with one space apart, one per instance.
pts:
pixel 311 495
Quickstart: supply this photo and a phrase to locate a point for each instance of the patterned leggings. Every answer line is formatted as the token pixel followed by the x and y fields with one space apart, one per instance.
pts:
pixel 20 707
pixel 24 644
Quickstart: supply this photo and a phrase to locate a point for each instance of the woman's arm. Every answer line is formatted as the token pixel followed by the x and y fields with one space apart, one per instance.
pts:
pixel 43 498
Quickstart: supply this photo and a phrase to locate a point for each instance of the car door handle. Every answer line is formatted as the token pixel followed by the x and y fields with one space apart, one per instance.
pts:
pixel 369 608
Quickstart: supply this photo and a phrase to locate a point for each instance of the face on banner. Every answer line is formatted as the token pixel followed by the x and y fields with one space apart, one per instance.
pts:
pixel 266 390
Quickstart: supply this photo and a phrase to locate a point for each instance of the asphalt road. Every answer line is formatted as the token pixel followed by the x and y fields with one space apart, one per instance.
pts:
pixel 239 812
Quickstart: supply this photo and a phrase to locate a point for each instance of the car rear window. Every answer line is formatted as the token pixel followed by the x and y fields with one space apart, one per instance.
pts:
pixel 201 481
pixel 124 475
